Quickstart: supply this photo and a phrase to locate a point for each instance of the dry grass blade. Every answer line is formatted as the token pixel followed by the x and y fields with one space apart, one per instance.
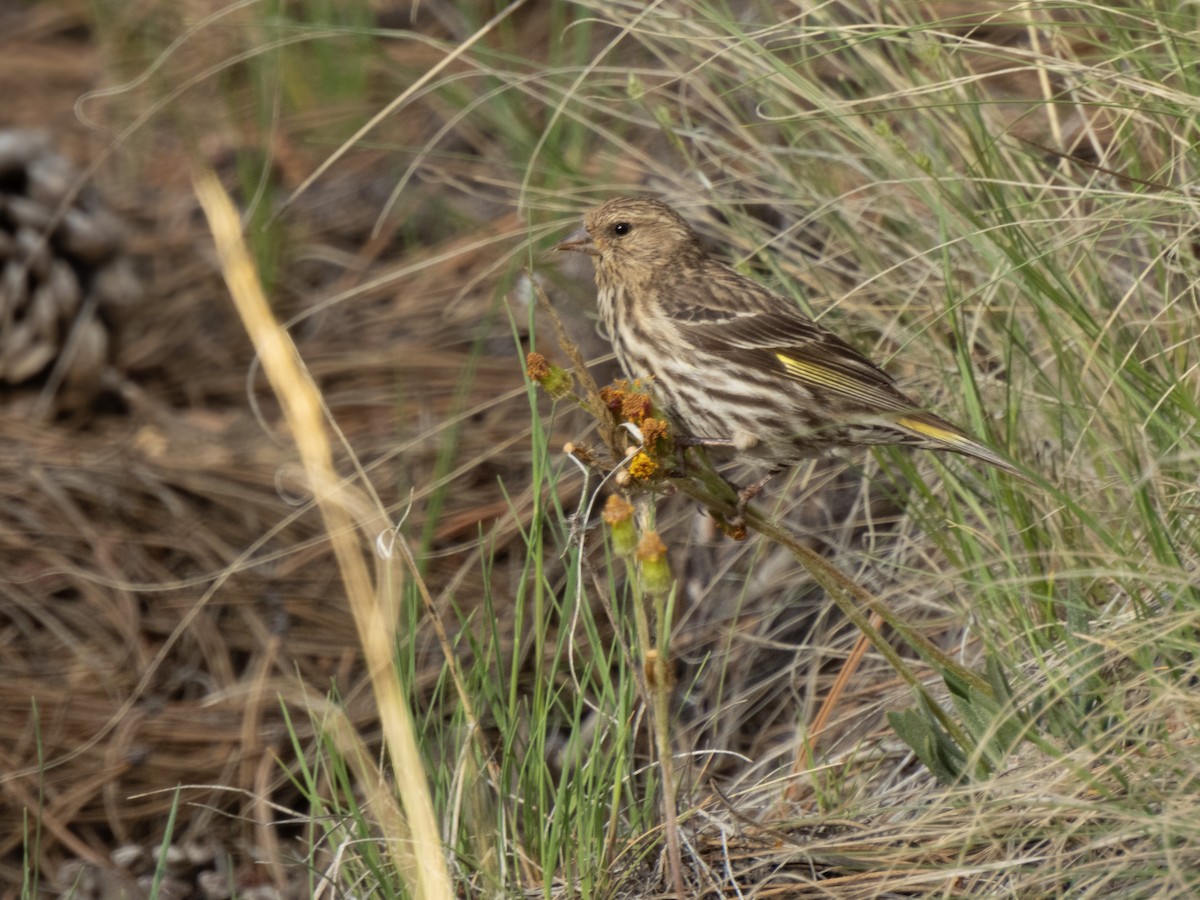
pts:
pixel 421 856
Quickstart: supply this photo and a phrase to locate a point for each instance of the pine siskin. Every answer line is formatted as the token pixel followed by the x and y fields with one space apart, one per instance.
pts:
pixel 734 364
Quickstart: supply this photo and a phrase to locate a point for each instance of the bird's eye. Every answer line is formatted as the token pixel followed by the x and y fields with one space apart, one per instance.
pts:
pixel 621 229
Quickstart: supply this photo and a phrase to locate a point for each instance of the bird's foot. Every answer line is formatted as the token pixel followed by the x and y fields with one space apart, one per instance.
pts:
pixel 744 496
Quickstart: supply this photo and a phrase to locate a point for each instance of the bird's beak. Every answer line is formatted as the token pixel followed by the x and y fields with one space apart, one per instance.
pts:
pixel 580 242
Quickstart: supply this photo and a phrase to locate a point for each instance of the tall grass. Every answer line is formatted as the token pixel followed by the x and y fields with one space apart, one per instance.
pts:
pixel 999 206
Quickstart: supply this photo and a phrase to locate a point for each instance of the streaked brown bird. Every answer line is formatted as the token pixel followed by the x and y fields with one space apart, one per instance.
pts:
pixel 734 364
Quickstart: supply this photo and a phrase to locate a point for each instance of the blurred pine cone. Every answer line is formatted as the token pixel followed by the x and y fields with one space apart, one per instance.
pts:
pixel 62 272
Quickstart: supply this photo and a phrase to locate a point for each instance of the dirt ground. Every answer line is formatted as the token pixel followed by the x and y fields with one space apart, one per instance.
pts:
pixel 165 588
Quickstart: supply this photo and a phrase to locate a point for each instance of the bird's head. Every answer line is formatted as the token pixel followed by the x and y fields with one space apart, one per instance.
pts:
pixel 633 235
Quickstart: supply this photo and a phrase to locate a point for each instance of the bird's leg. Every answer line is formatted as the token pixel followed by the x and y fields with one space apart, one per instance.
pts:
pixel 683 441
pixel 748 493
pixel 745 494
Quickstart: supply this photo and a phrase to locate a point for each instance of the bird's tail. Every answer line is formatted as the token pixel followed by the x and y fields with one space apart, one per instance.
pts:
pixel 935 433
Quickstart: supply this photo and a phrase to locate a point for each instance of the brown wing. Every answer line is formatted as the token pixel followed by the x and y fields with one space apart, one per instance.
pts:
pixel 731 316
